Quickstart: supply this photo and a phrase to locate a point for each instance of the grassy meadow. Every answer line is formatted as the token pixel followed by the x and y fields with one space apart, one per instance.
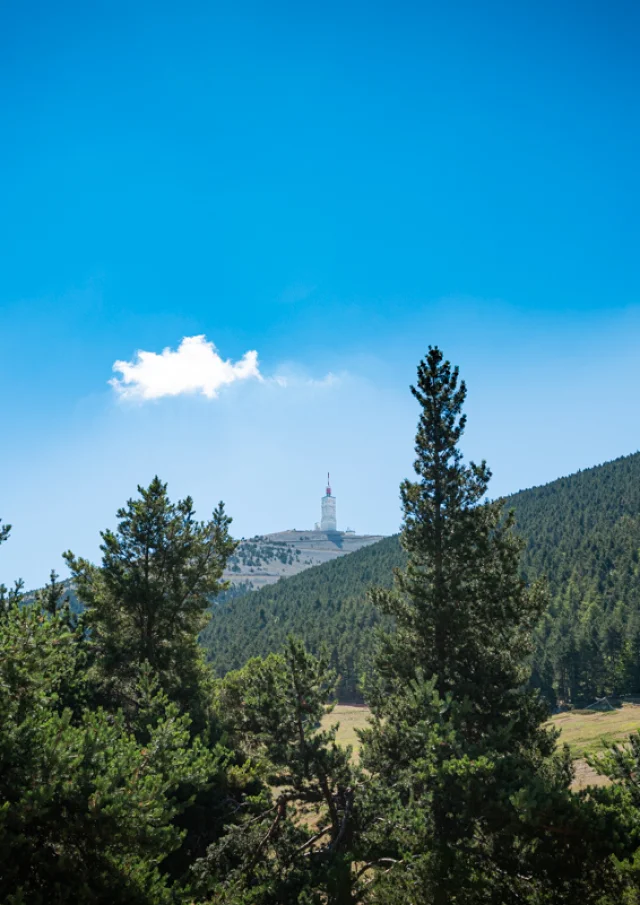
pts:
pixel 350 717
pixel 585 731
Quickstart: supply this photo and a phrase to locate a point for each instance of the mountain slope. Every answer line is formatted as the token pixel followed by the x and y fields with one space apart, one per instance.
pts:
pixel 265 559
pixel 324 604
pixel 582 532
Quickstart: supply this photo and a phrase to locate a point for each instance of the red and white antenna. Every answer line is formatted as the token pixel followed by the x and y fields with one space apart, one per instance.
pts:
pixel 328 485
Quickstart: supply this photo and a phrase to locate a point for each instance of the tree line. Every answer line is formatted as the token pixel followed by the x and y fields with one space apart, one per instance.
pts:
pixel 130 773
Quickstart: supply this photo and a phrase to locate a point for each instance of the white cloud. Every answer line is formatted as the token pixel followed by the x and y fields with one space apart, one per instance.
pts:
pixel 195 367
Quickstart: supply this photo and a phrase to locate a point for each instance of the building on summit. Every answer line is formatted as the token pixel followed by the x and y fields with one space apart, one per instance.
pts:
pixel 328 503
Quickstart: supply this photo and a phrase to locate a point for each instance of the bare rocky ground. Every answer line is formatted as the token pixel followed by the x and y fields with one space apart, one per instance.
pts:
pixel 264 559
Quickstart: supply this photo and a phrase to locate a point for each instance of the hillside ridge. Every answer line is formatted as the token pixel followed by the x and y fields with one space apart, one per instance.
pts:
pixel 581 531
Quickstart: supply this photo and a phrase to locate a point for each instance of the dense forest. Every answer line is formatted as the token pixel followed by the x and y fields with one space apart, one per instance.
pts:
pixel 582 533
pixel 130 774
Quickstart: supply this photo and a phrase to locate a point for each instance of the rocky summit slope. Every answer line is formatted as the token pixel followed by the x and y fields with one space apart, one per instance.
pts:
pixel 264 559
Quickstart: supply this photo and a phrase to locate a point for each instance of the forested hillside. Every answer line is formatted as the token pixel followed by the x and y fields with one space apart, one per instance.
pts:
pixel 582 532
pixel 325 604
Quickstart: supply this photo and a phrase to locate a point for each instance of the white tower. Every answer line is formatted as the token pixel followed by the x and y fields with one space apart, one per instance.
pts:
pixel 328 503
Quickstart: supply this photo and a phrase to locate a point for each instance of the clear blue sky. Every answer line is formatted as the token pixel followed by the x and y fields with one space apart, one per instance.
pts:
pixel 335 186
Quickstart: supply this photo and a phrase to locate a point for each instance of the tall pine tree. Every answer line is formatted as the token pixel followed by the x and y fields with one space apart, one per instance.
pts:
pixel 489 816
pixel 463 614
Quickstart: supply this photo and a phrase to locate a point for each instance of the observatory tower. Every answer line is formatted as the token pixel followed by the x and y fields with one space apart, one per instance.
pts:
pixel 328 503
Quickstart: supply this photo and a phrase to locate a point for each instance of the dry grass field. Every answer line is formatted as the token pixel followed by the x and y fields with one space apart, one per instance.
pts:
pixel 585 731
pixel 350 718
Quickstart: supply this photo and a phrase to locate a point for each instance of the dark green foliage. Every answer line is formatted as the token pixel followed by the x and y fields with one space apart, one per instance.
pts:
pixel 86 811
pixel 300 842
pixel 144 608
pixel 109 791
pixel 489 816
pixel 148 600
pixel 584 534
pixel 460 609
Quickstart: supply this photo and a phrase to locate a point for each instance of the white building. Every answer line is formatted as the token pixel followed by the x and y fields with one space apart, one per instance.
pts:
pixel 328 503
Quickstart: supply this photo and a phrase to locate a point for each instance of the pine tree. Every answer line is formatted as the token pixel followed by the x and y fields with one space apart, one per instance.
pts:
pixel 148 601
pixel 489 815
pixel 462 612
pixel 308 840
pixel 51 599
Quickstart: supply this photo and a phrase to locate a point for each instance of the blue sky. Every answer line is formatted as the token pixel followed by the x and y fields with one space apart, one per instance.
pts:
pixel 333 186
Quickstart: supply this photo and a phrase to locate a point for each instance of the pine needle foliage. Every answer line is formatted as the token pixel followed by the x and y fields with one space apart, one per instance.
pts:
pixel 303 838
pixel 489 814
pixel 148 600
pixel 461 610
pixel 87 812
